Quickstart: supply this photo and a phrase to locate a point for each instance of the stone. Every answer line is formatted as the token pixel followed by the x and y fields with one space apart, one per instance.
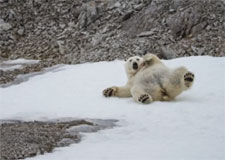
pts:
pixel 168 53
pixel 117 4
pixel 21 31
pixel 4 26
pixel 127 15
pixel 198 51
pixel 147 33
pixel 97 39
pixel 138 7
pixel 88 14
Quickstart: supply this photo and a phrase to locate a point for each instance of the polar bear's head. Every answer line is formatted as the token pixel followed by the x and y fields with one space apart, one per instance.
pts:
pixel 133 65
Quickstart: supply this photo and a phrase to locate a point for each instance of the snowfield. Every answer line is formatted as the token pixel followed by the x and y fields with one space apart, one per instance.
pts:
pixel 189 128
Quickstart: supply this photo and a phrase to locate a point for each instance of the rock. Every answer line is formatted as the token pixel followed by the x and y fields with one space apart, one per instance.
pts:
pixel 88 14
pixel 71 24
pixel 62 26
pixel 97 39
pixel 4 26
pixel 147 33
pixel 172 10
pixel 138 7
pixel 117 4
pixel 167 53
pixel 62 48
pixel 198 51
pixel 181 23
pixel 20 31
pixel 127 15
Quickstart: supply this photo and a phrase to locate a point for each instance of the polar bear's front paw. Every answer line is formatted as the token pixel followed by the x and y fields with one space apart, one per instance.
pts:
pixel 147 59
pixel 145 99
pixel 188 79
pixel 109 92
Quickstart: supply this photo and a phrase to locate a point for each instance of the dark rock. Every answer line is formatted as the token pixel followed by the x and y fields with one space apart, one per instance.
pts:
pixel 127 15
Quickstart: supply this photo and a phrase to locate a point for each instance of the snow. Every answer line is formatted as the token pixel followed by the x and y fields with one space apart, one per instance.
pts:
pixel 16 64
pixel 21 61
pixel 9 67
pixel 189 128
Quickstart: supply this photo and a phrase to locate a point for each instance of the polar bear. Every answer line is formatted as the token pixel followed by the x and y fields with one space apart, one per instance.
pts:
pixel 132 66
pixel 156 82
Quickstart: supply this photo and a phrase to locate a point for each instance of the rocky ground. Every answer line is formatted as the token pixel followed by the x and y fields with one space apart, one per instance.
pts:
pixel 72 32
pixel 21 139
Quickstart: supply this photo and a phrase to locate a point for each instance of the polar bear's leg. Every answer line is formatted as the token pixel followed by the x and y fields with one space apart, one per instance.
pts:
pixel 181 79
pixel 175 85
pixel 139 95
pixel 185 77
pixel 117 92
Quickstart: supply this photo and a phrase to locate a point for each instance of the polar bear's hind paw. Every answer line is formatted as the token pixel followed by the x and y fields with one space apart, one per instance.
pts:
pixel 145 99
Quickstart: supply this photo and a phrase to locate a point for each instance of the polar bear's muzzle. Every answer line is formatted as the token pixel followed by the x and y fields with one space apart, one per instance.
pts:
pixel 135 66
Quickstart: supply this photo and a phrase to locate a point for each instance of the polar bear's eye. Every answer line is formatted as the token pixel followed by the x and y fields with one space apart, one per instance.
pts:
pixel 137 59
pixel 130 60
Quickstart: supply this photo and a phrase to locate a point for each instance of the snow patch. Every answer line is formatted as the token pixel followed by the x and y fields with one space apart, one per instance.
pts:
pixel 191 127
pixel 20 61
pixel 11 65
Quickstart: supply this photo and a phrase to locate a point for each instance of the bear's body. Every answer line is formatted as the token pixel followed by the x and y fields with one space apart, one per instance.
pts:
pixel 154 81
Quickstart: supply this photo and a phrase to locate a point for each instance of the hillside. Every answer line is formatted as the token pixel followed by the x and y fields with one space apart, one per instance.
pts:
pixel 68 31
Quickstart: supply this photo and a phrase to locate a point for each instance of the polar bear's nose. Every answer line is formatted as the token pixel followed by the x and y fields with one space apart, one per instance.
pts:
pixel 135 65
